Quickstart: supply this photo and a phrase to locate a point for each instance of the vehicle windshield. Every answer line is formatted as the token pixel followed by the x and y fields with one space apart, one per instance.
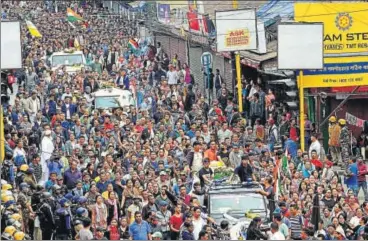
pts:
pixel 68 60
pixel 233 203
pixel 107 102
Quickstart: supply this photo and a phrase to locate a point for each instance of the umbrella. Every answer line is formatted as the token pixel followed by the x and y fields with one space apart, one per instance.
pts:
pixel 316 216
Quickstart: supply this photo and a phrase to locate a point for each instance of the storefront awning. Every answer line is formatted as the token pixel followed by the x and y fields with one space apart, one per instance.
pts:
pixel 288 82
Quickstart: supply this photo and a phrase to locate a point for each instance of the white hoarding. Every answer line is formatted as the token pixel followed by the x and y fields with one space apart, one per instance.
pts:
pixel 11 48
pixel 300 46
pixel 236 30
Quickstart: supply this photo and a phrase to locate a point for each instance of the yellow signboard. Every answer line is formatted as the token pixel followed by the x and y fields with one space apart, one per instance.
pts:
pixel 345 24
pixel 338 72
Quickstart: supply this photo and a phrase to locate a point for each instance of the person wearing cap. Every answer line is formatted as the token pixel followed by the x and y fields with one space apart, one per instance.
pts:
pixel 205 174
pixel 47 147
pixel 157 236
pixel 345 142
pixel 334 131
pixel 164 216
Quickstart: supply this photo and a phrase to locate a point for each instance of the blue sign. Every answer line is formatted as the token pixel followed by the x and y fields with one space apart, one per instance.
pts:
pixel 206 59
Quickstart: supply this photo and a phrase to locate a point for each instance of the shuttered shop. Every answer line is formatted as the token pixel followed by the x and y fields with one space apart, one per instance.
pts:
pixel 195 54
pixel 172 46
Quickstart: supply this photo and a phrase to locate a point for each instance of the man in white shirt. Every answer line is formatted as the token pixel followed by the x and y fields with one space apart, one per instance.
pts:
pixel 67 93
pixel 315 145
pixel 275 233
pixel 224 133
pixel 172 76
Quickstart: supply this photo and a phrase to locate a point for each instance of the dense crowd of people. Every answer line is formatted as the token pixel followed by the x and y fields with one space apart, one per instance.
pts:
pixel 139 172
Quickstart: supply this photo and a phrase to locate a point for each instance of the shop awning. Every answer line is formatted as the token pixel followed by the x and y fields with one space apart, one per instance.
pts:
pixel 288 82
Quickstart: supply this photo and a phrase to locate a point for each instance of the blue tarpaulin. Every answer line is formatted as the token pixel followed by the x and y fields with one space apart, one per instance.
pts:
pixel 275 9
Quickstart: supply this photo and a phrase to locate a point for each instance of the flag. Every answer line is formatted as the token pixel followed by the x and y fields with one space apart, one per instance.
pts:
pixel 133 44
pixel 73 16
pixel 33 30
pixel 76 44
pixel 193 21
pixel 281 170
pixel 277 185
pixel 285 165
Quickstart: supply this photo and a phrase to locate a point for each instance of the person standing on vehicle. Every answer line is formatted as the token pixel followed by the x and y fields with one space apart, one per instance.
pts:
pixel 270 194
pixel 206 173
pixel 244 171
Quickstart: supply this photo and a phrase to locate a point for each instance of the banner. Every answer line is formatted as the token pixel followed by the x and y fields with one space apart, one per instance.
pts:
pixel 338 72
pixel 163 13
pixel 353 120
pixel 236 30
pixel 345 24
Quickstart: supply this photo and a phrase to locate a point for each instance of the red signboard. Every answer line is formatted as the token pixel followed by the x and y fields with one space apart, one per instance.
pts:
pixel 349 89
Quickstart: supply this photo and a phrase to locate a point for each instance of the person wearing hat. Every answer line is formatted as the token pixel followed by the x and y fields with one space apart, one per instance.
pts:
pixel 334 131
pixel 25 205
pixel 164 216
pixel 157 236
pixel 63 221
pixel 29 178
pixel 345 142
pixel 205 174
pixel 47 147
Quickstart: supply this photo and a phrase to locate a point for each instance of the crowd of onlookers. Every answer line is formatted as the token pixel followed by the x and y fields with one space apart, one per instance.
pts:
pixel 141 171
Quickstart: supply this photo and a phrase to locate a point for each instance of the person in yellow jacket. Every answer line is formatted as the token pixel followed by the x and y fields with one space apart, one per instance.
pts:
pixel 334 131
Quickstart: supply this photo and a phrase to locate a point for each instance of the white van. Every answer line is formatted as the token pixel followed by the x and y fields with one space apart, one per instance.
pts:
pixel 73 60
pixel 113 98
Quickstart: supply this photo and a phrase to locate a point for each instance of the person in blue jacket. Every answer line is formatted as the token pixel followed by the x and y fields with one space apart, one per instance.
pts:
pixel 351 179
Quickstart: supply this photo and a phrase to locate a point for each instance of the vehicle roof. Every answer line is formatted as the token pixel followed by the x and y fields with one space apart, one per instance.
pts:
pixel 66 53
pixel 235 188
pixel 111 92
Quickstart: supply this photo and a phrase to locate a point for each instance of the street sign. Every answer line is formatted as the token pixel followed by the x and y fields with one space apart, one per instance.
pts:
pixel 206 59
